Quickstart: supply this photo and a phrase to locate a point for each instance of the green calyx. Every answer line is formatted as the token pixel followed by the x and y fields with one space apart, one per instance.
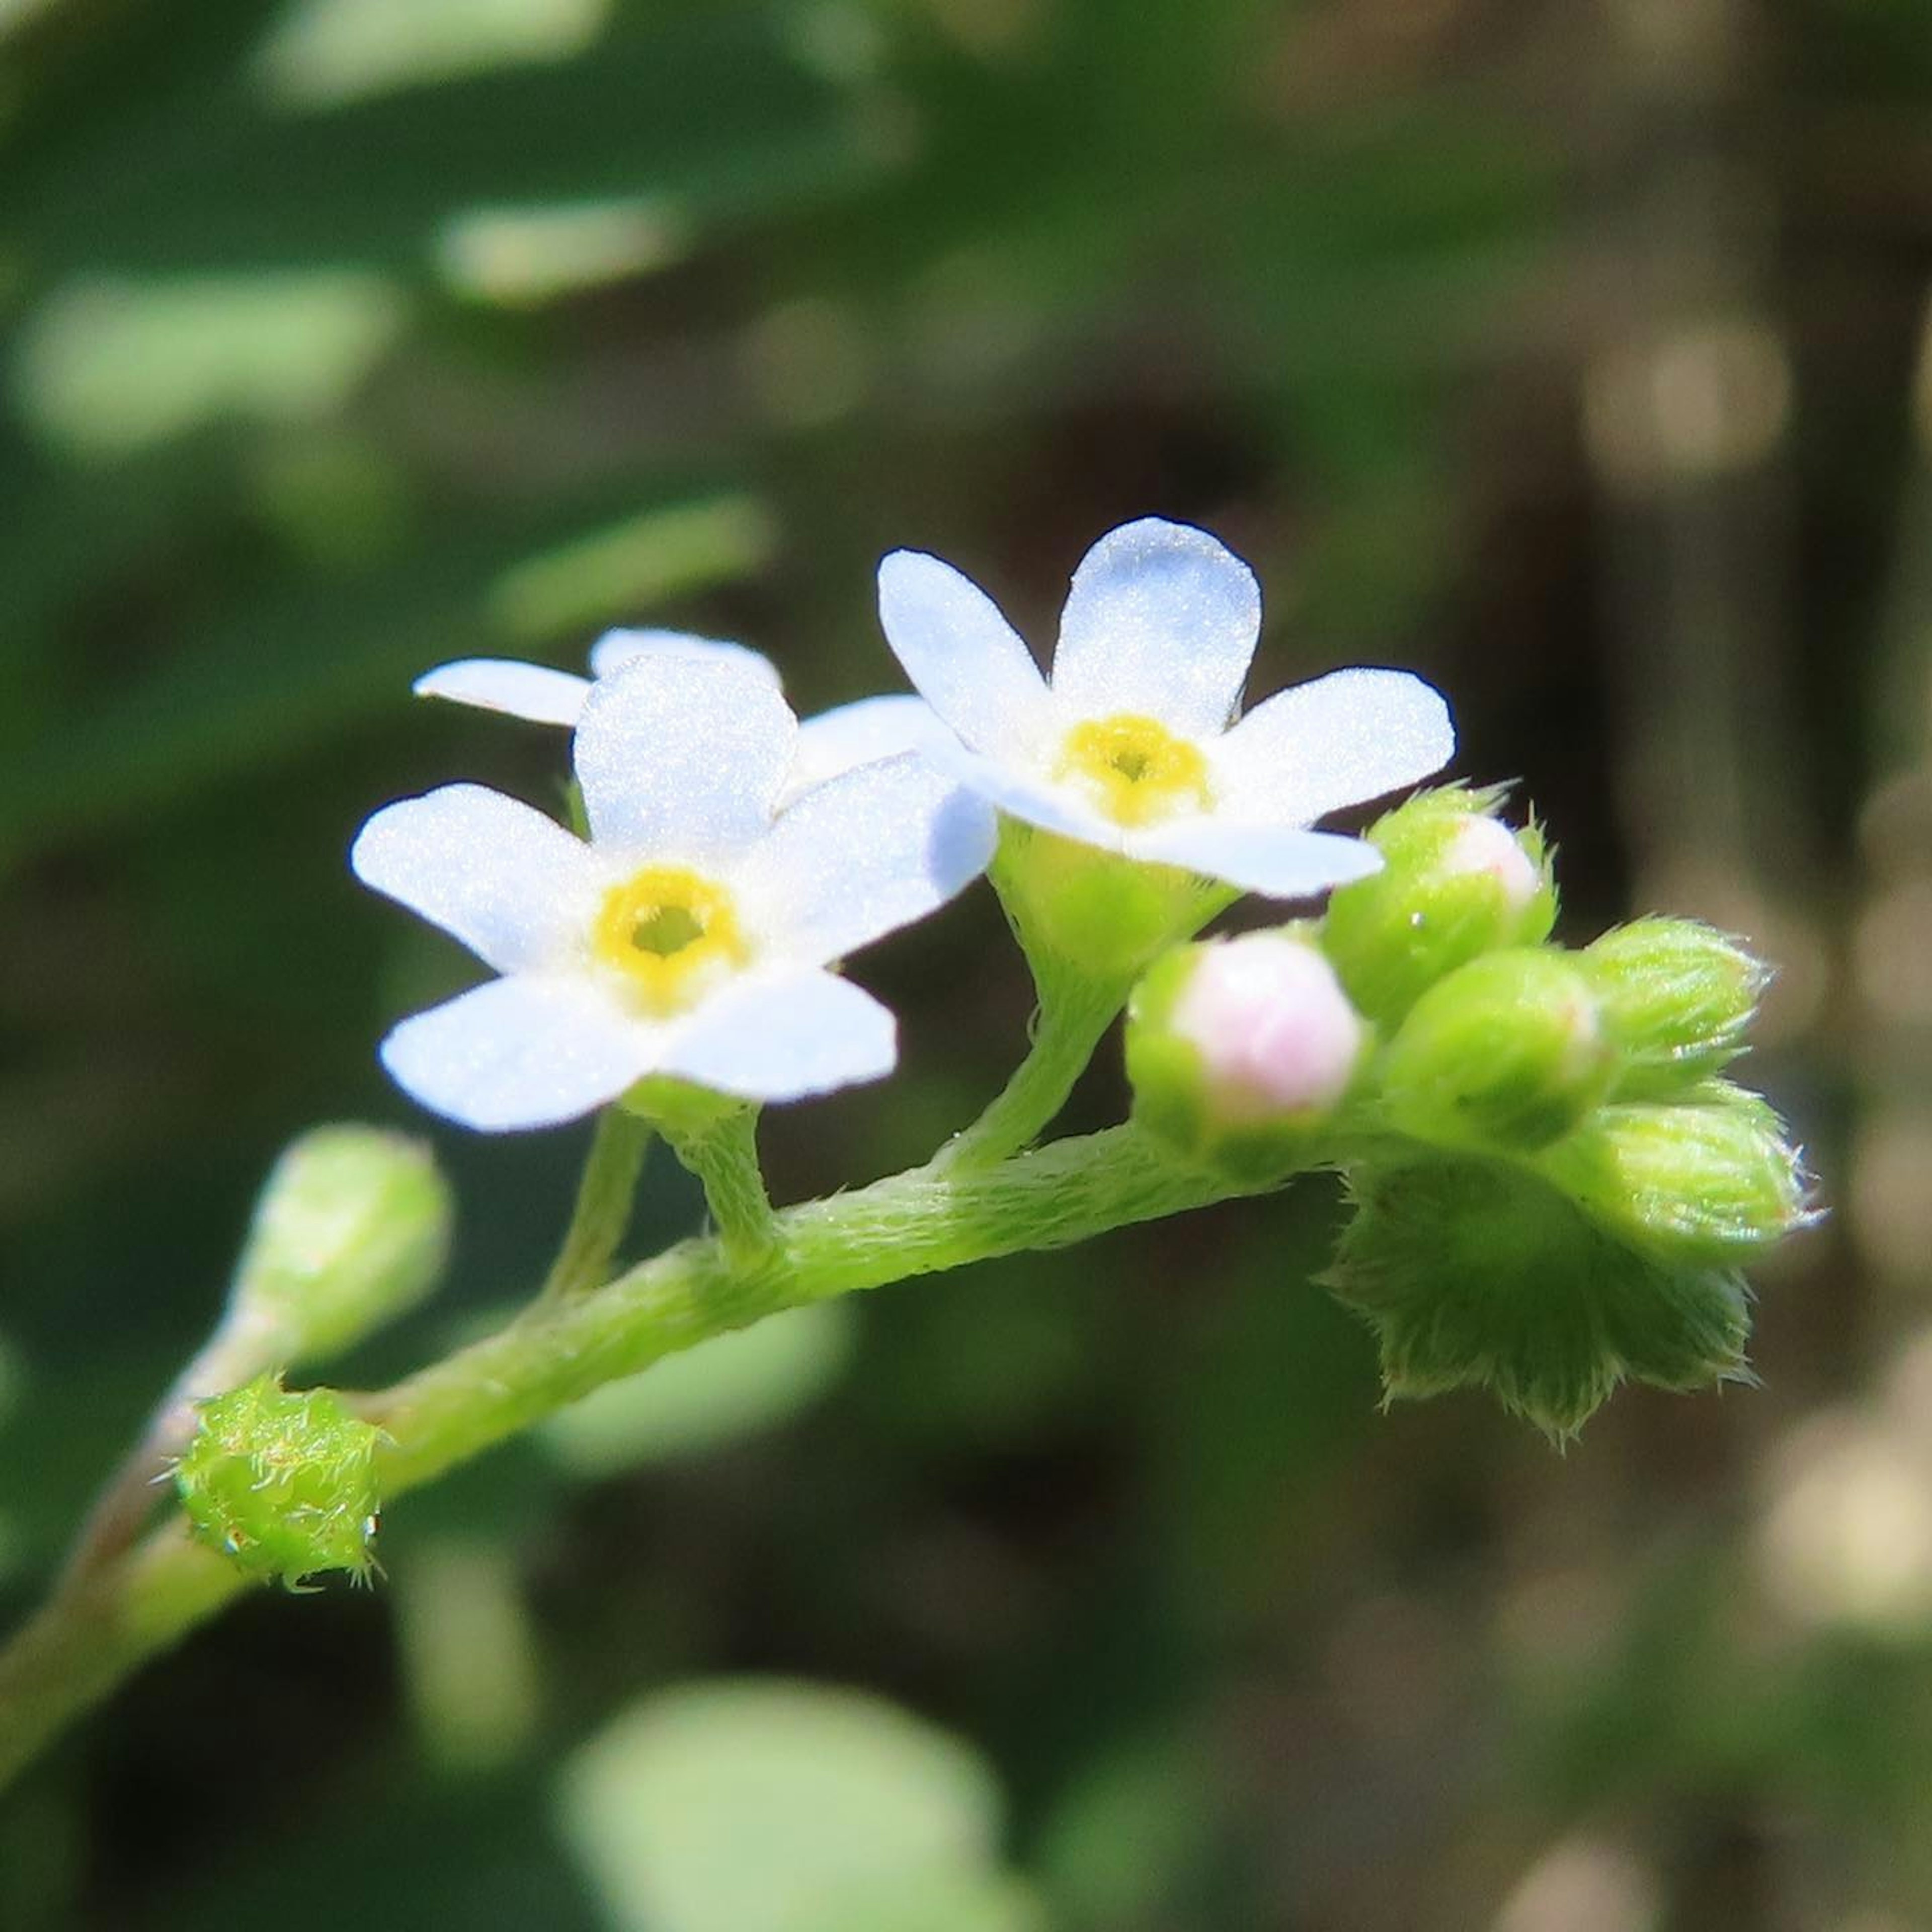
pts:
pixel 283 1483
pixel 1506 1054
pixel 1241 1052
pixel 1103 917
pixel 1456 883
pixel 1476 1274
pixel 1677 998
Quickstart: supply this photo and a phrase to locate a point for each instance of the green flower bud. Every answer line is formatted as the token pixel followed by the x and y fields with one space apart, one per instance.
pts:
pixel 1476 1274
pixel 1238 1048
pixel 352 1229
pixel 283 1483
pixel 1711 1180
pixel 1507 1053
pixel 1456 884
pixel 1677 996
pixel 1104 916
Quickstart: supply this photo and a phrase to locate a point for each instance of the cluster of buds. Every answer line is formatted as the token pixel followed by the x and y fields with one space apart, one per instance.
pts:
pixel 1553 1186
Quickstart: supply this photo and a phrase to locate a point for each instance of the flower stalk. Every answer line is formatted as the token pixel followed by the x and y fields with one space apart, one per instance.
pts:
pixel 602 1211
pixel 99 1628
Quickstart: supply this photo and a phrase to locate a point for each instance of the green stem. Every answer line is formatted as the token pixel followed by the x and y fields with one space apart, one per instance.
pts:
pixel 1074 1014
pixel 724 1155
pixel 86 1639
pixel 238 1350
pixel 603 1208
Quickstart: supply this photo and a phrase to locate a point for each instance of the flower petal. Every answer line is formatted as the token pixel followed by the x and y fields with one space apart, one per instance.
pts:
pixel 1020 795
pixel 514 885
pixel 860 733
pixel 966 660
pixel 535 691
pixel 523 1052
pixel 1162 621
pixel 863 854
pixel 780 1037
pixel 1280 862
pixel 1339 740
pixel 681 756
pixel 615 649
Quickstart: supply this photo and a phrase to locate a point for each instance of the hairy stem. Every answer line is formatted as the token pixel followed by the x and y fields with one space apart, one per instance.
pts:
pixel 724 1155
pixel 1073 1015
pixel 95 1631
pixel 603 1208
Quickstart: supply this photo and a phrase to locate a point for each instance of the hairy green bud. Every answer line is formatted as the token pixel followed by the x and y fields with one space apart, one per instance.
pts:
pixel 1711 1180
pixel 1506 1054
pixel 1475 1273
pixel 1238 1048
pixel 351 1230
pixel 1104 916
pixel 283 1483
pixel 1456 884
pixel 1677 998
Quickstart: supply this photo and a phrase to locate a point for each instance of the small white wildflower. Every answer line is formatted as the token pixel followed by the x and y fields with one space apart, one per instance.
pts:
pixel 1131 747
pixel 691 936
pixel 833 742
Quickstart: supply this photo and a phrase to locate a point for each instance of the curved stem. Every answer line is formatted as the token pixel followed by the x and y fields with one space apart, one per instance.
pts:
pixel 603 1208
pixel 91 1636
pixel 1073 1015
pixel 724 1155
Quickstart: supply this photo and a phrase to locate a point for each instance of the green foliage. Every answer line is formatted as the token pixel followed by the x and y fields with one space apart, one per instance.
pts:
pixel 771 1806
pixel 686 319
pixel 1474 1273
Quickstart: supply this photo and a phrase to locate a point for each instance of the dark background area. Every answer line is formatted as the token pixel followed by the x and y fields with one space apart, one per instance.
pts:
pixel 1573 352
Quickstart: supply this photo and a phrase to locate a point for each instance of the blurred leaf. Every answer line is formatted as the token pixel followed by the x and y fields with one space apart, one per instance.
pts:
pixel 711 114
pixel 729 1388
pixel 322 52
pixel 342 649
pixel 763 1806
pixel 108 365
pixel 1121 1839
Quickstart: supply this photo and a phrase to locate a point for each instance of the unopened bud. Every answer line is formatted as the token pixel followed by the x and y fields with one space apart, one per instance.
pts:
pixel 1457 883
pixel 283 1483
pixel 1710 1180
pixel 1237 1048
pixel 1677 998
pixel 1507 1053
pixel 351 1230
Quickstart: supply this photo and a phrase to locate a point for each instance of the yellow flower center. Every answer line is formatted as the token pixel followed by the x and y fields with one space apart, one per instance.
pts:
pixel 1134 768
pixel 673 933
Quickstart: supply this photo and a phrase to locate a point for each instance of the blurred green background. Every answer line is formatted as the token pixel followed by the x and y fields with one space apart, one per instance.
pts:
pixel 1571 352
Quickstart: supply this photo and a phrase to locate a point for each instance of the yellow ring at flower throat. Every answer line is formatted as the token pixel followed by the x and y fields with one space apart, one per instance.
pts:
pixel 672 933
pixel 1134 768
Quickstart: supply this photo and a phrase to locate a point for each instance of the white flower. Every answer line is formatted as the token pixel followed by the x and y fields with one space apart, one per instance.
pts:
pixel 692 934
pixel 832 743
pixel 1132 747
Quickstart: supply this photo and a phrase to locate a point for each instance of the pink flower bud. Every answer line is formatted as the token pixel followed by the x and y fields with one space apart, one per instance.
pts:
pixel 1482 844
pixel 1276 1033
